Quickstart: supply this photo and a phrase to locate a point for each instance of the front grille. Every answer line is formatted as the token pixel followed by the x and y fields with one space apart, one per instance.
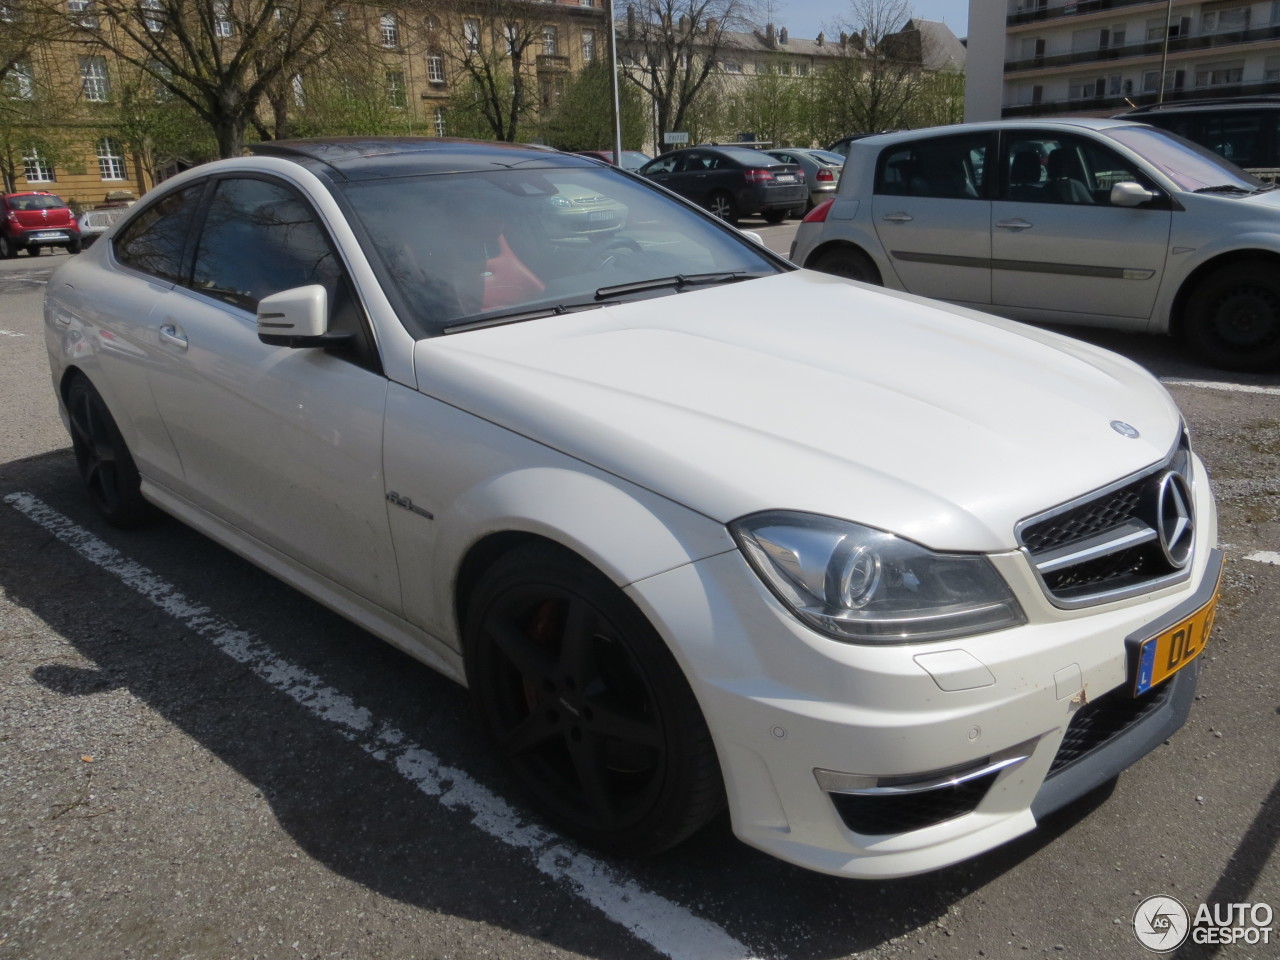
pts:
pixel 898 813
pixel 1108 544
pixel 1098 723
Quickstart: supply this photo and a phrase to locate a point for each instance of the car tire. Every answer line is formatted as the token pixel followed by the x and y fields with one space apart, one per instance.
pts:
pixel 75 246
pixel 7 250
pixel 1233 318
pixel 34 250
pixel 775 216
pixel 848 263
pixel 725 207
pixel 586 706
pixel 106 467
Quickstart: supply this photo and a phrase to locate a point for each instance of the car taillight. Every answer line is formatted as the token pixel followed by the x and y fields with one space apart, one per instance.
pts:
pixel 819 213
pixel 825 176
pixel 757 176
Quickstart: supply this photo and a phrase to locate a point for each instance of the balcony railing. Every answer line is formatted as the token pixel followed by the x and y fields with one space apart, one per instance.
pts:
pixel 1146 49
pixel 1116 104
pixel 551 63
pixel 1072 10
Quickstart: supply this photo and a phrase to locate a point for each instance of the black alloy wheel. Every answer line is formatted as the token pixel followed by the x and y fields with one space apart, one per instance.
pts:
pixel 1233 318
pixel 106 466
pixel 849 263
pixel 586 705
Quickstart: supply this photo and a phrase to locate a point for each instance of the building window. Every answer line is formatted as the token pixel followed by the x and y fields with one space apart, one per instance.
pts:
pixel 390 30
pixel 588 46
pixel 110 159
pixel 471 31
pixel 1085 88
pixel 730 66
pixel 35 168
pixel 93 79
pixel 395 88
pixel 1217 74
pixel 153 15
pixel 82 12
pixel 1224 20
pixel 222 25
pixel 1173 80
pixel 1271 69
pixel 586 3
pixel 1113 85
pixel 802 69
pixel 549 41
pixel 435 68
pixel 299 93
pixel 438 119
pixel 20 83
pixel 1032 47
pixel 1037 93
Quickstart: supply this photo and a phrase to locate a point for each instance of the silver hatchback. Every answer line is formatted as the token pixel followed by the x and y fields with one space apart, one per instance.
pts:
pixel 1077 221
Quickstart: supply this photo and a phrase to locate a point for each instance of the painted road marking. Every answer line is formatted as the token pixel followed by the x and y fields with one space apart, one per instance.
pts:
pixel 11 333
pixel 1265 557
pixel 1233 387
pixel 666 926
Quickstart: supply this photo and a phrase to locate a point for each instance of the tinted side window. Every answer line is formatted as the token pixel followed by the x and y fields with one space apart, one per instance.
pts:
pixel 155 240
pixel 665 164
pixel 947 167
pixel 260 238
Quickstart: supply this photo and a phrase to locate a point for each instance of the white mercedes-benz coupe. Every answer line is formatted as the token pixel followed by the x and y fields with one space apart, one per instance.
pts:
pixel 891 579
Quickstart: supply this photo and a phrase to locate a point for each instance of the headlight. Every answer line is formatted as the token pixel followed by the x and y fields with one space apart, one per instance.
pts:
pixel 861 585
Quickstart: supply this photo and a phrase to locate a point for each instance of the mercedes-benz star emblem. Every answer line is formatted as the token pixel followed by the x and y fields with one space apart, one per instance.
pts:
pixel 1174 520
pixel 1125 430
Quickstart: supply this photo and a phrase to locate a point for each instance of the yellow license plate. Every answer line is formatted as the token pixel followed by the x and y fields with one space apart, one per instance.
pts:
pixel 1163 655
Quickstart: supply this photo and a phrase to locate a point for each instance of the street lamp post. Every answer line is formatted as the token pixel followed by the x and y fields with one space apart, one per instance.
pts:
pixel 613 75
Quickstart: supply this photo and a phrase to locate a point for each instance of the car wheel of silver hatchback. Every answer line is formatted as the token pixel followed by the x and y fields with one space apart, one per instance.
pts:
pixel 848 263
pixel 586 705
pixel 1233 318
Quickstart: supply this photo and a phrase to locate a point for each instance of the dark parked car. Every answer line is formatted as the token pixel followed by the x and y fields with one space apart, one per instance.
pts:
pixel 731 182
pixel 1244 130
pixel 630 159
pixel 36 219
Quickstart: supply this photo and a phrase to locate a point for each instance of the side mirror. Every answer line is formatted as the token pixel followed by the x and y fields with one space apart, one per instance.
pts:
pixel 1130 194
pixel 752 235
pixel 297 318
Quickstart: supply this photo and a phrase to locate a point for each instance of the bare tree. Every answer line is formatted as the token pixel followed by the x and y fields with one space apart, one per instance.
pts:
pixel 674 47
pixel 222 57
pixel 26 26
pixel 493 45
pixel 875 84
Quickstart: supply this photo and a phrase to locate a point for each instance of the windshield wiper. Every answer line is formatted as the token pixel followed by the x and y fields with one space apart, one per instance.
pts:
pixel 519 316
pixel 1224 188
pixel 678 281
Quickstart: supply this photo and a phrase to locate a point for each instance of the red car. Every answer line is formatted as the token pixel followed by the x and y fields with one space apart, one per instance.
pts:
pixel 34 220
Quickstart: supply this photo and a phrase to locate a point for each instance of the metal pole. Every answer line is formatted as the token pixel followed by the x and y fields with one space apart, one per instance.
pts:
pixel 613 74
pixel 1164 55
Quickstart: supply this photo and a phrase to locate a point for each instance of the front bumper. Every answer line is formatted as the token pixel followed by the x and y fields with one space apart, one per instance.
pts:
pixel 803 724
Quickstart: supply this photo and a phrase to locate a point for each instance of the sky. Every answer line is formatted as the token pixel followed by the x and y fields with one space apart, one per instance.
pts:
pixel 804 18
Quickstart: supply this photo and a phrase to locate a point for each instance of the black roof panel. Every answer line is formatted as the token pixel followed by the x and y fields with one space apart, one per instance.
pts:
pixel 375 158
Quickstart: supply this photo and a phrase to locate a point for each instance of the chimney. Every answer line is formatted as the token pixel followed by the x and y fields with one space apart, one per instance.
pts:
pixel 768 35
pixel 782 35
pixel 631 19
pixel 711 24
pixel 822 37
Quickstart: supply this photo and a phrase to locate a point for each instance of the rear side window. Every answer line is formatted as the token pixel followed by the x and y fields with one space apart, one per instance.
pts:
pixel 946 167
pixel 155 240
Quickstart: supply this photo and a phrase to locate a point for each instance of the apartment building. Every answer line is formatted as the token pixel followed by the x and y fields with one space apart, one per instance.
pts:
pixel 65 90
pixel 1098 57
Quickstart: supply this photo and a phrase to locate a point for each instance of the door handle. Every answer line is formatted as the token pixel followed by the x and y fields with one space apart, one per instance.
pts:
pixel 897 217
pixel 171 335
pixel 1017 223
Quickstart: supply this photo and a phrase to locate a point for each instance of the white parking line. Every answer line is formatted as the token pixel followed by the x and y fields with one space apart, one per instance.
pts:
pixel 666 926
pixel 11 333
pixel 1232 387
pixel 1265 557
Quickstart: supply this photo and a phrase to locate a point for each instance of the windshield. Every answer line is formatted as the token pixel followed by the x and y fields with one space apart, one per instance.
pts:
pixel 455 249
pixel 1187 164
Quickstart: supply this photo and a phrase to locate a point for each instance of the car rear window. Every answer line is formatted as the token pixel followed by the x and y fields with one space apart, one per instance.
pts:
pixel 36 201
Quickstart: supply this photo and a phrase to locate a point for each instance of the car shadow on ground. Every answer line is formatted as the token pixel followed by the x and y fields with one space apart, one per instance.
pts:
pixel 354 813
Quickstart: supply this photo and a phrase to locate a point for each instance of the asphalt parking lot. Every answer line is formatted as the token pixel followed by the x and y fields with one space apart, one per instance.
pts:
pixel 199 762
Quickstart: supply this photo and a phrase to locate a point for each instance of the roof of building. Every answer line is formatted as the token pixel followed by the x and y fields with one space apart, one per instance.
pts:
pixel 941 49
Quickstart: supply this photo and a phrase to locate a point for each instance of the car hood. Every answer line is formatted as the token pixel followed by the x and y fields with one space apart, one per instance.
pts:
pixel 808 392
